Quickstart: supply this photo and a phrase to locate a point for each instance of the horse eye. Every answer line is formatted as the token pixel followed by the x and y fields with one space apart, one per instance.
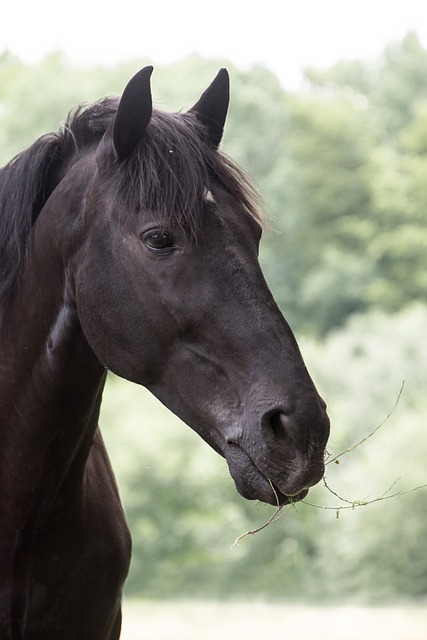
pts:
pixel 158 240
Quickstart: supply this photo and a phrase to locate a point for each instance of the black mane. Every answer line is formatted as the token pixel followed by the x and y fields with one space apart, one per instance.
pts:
pixel 28 180
pixel 168 174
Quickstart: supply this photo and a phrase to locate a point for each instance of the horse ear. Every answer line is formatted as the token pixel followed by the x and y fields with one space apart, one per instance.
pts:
pixel 133 114
pixel 212 107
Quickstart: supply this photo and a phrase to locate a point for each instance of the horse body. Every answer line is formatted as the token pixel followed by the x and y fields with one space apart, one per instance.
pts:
pixel 140 257
pixel 65 547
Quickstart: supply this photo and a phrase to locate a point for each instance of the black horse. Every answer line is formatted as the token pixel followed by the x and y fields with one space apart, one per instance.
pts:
pixel 128 242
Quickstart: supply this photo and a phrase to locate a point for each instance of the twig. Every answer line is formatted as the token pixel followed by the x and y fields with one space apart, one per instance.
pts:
pixel 272 518
pixel 335 493
pixel 357 444
pixel 392 486
pixel 363 503
pixel 348 504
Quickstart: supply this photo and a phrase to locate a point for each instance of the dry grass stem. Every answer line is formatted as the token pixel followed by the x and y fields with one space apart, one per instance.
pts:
pixel 357 444
pixel 347 504
pixel 276 516
pixel 352 504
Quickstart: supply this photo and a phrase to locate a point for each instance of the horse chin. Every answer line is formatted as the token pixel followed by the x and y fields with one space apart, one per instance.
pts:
pixel 252 484
pixel 272 496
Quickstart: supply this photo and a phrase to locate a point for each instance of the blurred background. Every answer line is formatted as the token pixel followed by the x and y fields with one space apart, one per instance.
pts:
pixel 329 116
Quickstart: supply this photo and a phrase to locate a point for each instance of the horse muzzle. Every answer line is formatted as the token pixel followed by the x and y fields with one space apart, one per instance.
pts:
pixel 278 461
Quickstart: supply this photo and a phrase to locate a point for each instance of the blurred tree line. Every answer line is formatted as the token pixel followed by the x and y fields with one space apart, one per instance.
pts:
pixel 342 166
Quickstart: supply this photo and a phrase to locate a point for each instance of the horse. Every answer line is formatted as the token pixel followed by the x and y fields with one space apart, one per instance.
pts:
pixel 129 243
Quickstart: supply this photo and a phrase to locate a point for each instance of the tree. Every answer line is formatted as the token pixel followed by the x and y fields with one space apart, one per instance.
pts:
pixel 325 223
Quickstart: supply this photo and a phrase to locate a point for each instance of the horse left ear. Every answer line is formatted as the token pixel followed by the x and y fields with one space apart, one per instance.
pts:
pixel 133 115
pixel 127 129
pixel 212 107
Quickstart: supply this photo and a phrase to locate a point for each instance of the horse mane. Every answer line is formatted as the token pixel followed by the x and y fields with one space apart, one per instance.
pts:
pixel 169 174
pixel 28 180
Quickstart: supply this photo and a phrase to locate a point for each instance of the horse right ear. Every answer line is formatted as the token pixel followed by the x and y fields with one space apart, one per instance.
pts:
pixel 212 107
pixel 128 126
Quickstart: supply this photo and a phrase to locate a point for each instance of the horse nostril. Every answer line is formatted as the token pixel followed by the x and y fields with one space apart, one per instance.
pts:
pixel 278 423
pixel 275 421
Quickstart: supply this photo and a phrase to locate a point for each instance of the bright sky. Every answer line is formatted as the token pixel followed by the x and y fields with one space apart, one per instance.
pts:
pixel 284 35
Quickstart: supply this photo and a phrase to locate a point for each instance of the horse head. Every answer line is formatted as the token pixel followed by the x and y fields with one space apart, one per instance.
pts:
pixel 170 293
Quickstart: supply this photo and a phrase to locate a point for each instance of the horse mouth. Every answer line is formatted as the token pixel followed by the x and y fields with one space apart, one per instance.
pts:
pixel 252 484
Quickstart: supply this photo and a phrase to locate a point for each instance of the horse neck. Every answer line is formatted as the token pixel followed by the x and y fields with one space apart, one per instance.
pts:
pixel 50 380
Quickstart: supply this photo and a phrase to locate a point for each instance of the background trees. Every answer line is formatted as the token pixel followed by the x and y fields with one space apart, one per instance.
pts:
pixel 342 167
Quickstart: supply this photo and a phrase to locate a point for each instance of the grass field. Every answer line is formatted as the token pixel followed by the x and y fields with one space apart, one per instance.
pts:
pixel 256 621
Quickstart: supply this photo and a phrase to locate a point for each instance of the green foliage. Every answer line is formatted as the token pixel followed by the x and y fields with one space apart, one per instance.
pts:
pixel 343 170
pixel 353 222
pixel 327 222
pixel 391 85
